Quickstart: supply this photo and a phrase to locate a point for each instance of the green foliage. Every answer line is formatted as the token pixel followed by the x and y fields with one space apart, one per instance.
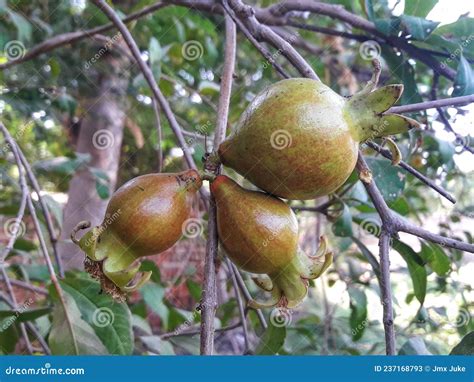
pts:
pixel 465 347
pixel 272 340
pixel 43 102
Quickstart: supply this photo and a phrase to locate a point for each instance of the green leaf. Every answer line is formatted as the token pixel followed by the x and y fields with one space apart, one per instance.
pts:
pixel 389 27
pixel 194 289
pixel 434 255
pixel 55 208
pixel 188 343
pixel 464 82
pixel 110 320
pixel 180 30
pixel 62 165
pixel 156 345
pixel 153 294
pixel 8 333
pixel 405 73
pixel 465 347
pixel 70 334
pixel 150 266
pixel 208 88
pixel 414 346
pixel 369 256
pixel 22 25
pixel 155 52
pixel 272 340
pixel 358 317
pixel 461 28
pixel 27 315
pixel 22 244
pixel 343 225
pixel 416 269
pixel 419 8
pixel 418 27
pixel 390 179
pixel 102 182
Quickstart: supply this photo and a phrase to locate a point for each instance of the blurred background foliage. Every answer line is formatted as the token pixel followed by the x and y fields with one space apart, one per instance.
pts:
pixel 41 103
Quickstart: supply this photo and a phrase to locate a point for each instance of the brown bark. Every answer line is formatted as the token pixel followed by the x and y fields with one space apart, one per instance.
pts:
pixel 100 136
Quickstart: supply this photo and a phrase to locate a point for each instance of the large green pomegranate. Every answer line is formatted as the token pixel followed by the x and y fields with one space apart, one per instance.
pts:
pixel 298 139
pixel 259 233
pixel 144 217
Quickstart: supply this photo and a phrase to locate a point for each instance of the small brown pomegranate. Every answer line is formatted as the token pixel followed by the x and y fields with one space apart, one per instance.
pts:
pixel 144 217
pixel 259 233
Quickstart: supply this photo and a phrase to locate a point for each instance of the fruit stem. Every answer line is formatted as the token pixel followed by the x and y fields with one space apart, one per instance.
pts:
pixel 79 227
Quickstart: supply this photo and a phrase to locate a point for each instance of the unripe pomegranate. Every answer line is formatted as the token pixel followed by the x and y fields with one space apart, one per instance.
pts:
pixel 259 233
pixel 144 217
pixel 298 139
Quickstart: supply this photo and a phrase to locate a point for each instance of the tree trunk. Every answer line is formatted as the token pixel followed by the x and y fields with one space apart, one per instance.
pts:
pixel 100 136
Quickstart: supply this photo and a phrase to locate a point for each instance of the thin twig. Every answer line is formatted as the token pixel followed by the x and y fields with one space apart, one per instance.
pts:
pixel 156 113
pixel 454 101
pixel 25 285
pixel 11 293
pixel 240 304
pixel 53 238
pixel 209 295
pixel 198 331
pixel 248 297
pixel 444 119
pixel 430 183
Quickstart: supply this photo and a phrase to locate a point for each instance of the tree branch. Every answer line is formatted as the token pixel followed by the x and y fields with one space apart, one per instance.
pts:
pixel 73 37
pixel 147 73
pixel 454 101
pixel 264 33
pixel 209 297
pixel 386 292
